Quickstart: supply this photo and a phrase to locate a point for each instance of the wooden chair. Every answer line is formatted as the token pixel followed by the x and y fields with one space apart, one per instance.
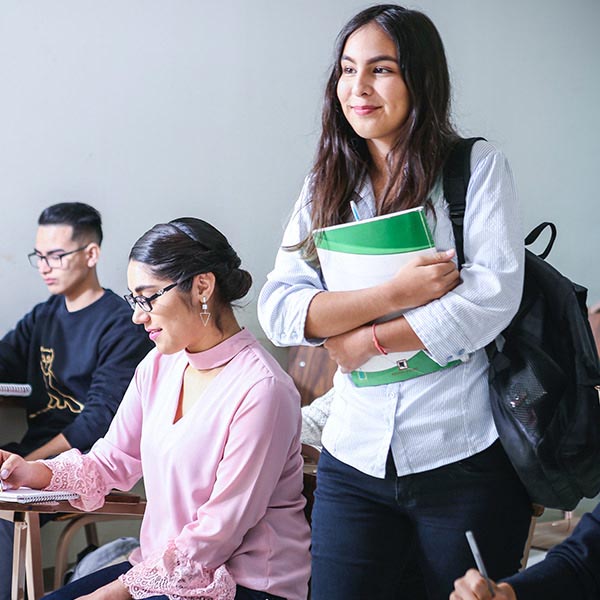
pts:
pixel 537 511
pixel 126 507
pixel 27 559
pixel 312 371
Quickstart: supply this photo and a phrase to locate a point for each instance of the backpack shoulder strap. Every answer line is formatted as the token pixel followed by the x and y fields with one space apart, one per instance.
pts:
pixel 534 234
pixel 457 172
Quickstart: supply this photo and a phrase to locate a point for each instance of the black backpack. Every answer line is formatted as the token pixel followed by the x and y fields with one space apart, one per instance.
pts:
pixel 544 371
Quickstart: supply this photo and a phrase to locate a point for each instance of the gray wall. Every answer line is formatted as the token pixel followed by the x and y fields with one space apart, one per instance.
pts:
pixel 152 110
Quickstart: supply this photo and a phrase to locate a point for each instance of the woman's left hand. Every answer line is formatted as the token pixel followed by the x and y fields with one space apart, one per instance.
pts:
pixel 111 591
pixel 351 349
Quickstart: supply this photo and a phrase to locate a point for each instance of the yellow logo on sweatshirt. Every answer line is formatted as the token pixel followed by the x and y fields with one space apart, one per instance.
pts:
pixel 57 399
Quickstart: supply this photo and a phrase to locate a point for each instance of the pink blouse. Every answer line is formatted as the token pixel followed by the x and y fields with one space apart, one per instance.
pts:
pixel 223 483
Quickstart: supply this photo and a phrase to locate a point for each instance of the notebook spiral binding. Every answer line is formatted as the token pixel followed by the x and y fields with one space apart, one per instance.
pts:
pixel 15 389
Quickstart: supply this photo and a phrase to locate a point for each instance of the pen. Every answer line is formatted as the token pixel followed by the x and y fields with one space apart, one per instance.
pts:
pixel 479 560
pixel 354 210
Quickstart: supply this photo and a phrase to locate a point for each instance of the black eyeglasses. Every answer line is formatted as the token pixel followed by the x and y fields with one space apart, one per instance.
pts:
pixel 146 303
pixel 54 261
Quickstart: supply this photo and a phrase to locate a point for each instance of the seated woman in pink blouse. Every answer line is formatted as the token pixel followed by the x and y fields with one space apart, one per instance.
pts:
pixel 212 424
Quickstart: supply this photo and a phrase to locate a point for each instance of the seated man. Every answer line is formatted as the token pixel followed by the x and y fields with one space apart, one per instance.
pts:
pixel 570 570
pixel 78 350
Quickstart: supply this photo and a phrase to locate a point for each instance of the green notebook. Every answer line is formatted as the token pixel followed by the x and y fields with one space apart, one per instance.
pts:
pixel 366 253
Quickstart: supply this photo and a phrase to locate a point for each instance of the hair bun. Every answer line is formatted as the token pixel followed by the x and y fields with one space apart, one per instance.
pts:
pixel 236 285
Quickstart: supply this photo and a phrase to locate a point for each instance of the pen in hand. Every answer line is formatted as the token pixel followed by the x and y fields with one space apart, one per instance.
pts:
pixel 479 560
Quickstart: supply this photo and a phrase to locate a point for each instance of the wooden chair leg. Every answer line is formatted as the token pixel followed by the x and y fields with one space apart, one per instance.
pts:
pixel 18 571
pixel 62 544
pixel 537 510
pixel 33 557
pixel 91 535
pixel 551 533
pixel 527 548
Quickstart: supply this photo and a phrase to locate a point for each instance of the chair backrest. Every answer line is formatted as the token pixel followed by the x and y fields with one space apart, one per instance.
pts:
pixel 312 371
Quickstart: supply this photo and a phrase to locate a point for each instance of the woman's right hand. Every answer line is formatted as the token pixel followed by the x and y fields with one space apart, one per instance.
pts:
pixel 423 279
pixel 16 472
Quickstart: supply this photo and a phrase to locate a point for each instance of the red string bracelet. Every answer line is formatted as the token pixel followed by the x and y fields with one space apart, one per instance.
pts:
pixel 379 347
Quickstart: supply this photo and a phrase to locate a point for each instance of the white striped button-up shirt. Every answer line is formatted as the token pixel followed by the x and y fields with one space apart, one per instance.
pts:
pixel 445 416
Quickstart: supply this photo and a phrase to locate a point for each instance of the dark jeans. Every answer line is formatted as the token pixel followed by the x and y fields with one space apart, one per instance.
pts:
pixel 93 581
pixel 366 530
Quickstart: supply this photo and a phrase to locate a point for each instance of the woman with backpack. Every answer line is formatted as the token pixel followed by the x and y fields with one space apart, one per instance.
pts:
pixel 408 466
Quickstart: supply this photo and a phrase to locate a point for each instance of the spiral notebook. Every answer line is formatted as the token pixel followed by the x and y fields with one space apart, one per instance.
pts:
pixel 15 389
pixel 28 496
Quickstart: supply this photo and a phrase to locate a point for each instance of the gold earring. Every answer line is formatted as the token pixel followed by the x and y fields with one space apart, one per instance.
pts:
pixel 204 313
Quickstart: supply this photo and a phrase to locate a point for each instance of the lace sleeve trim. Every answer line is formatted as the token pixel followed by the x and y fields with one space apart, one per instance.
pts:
pixel 175 575
pixel 77 472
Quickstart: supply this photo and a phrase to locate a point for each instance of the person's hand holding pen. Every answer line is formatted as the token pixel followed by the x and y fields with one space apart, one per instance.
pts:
pixel 473 586
pixel 476 585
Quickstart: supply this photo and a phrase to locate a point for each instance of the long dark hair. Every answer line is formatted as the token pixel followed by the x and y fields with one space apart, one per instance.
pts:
pixel 185 247
pixel 415 161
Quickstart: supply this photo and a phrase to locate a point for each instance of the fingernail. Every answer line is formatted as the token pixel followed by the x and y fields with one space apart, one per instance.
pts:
pixel 4 473
pixel 450 252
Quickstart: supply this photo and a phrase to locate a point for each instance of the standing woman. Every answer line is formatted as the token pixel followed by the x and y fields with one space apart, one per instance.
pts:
pixel 212 424
pixel 406 467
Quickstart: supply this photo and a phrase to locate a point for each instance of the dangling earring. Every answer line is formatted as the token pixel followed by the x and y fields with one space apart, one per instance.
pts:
pixel 204 313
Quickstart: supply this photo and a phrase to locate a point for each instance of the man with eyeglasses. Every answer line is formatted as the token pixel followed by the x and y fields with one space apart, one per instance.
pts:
pixel 78 350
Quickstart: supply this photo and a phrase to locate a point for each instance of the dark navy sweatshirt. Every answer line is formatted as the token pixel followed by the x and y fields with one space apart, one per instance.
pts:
pixel 79 365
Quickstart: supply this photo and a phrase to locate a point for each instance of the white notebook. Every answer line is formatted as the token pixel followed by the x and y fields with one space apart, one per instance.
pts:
pixel 15 389
pixel 363 254
pixel 27 496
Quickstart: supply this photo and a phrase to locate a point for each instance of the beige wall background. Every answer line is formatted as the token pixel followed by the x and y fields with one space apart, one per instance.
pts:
pixel 151 110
